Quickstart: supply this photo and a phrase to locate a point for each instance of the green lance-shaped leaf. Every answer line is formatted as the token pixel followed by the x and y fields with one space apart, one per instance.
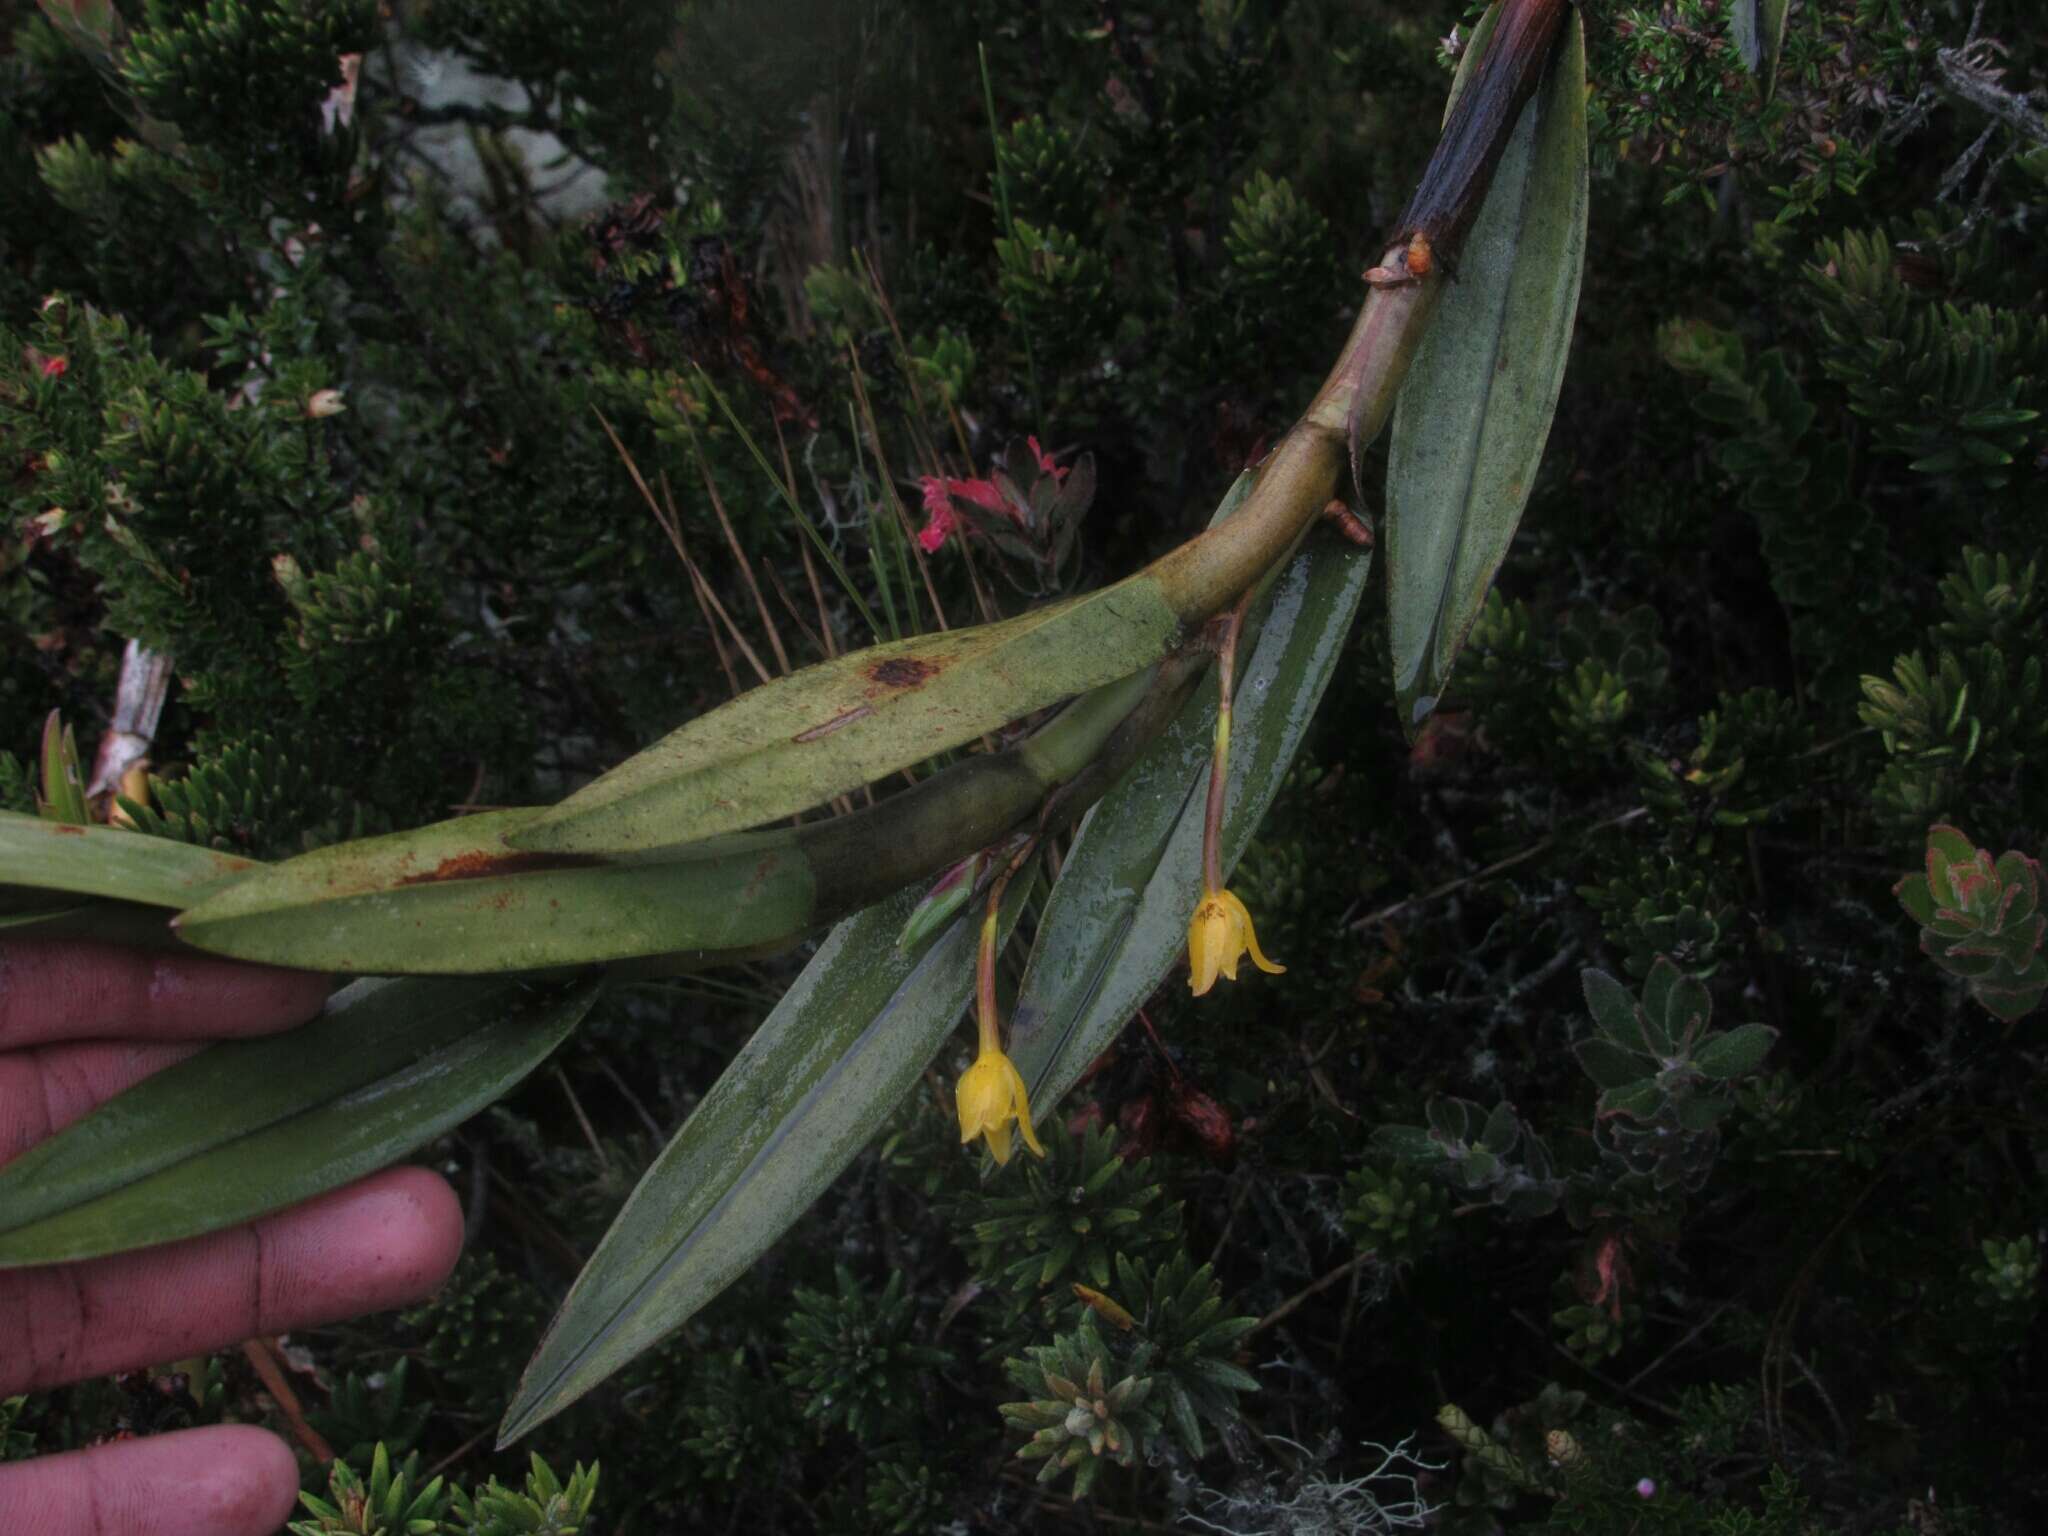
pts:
pixel 797 741
pixel 452 898
pixel 39 855
pixel 1118 917
pixel 250 1126
pixel 1759 30
pixel 847 1041
pixel 30 915
pixel 1475 410
pixel 63 792
pixel 1773 15
pixel 456 898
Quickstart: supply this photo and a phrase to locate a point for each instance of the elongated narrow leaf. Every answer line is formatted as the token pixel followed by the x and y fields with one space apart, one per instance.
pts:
pixel 1475 412
pixel 1758 27
pixel 794 743
pixel 22 907
pixel 841 1048
pixel 236 1088
pixel 1771 18
pixel 107 861
pixel 1746 31
pixel 1118 917
pixel 34 915
pixel 453 899
pixel 63 795
pixel 250 1126
pixel 31 915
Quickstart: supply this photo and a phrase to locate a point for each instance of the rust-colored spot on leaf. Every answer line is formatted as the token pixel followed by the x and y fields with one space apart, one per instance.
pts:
pixel 838 722
pixel 481 865
pixel 765 868
pixel 903 672
pixel 68 829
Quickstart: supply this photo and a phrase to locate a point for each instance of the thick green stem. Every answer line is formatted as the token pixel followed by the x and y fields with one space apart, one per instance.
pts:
pixel 1300 475
pixel 857 859
pixel 1207 574
pixel 1298 478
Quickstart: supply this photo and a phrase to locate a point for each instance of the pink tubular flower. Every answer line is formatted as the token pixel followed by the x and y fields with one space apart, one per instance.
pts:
pixel 1045 463
pixel 935 533
pixel 940 517
pixel 982 493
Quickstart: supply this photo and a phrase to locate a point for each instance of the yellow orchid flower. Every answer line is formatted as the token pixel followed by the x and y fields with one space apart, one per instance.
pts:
pixel 990 1095
pixel 1218 936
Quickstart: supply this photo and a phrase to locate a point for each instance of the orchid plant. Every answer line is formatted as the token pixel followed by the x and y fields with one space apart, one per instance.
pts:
pixel 499 927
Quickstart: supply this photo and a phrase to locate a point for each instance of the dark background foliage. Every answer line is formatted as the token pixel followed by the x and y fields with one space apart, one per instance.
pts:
pixel 1774 610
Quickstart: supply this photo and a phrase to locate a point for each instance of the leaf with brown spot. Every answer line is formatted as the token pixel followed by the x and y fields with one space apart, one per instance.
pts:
pixel 451 898
pixel 797 741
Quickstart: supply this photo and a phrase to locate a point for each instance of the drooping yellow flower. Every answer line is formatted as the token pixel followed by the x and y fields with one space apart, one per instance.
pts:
pixel 1218 935
pixel 990 1095
pixel 1221 930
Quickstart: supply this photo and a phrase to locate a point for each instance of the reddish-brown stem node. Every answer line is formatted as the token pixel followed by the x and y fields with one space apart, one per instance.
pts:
pixel 1349 523
pixel 1416 262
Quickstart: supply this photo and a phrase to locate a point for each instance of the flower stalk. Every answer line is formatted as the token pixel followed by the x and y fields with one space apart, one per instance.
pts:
pixel 991 1095
pixel 1220 932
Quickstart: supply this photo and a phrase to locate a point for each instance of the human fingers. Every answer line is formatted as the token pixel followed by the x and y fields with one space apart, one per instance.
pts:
pixel 379 1243
pixel 231 1480
pixel 74 989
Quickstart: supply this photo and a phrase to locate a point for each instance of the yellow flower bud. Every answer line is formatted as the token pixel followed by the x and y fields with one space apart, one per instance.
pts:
pixel 1218 935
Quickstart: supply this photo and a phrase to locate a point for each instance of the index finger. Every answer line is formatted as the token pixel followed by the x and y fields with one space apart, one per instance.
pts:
pixel 74 989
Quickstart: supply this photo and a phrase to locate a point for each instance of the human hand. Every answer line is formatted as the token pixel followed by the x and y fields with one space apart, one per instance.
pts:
pixel 78 1023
